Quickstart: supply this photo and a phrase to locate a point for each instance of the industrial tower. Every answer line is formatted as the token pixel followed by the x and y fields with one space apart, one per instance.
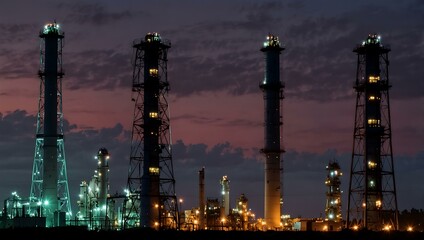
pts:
pixel 103 182
pixel 96 211
pixel 202 204
pixel 272 88
pixel 225 192
pixel 49 188
pixel 333 206
pixel 151 200
pixel 372 200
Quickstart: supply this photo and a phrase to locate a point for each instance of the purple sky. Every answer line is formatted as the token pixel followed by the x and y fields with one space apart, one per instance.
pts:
pixel 215 67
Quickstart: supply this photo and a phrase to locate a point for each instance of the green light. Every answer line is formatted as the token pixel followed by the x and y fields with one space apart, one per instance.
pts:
pixel 51 28
pixel 373 39
pixel 153 37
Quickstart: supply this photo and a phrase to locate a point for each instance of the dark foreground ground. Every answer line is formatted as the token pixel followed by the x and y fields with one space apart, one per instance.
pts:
pixel 145 234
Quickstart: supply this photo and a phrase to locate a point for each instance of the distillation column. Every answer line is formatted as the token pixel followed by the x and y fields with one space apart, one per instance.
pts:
pixel 333 206
pixel 103 175
pixel 225 192
pixel 151 191
pixel 272 88
pixel 372 201
pixel 49 188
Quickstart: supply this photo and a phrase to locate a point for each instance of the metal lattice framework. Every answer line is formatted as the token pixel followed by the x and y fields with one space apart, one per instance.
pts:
pixel 372 202
pixel 151 164
pixel 333 206
pixel 36 194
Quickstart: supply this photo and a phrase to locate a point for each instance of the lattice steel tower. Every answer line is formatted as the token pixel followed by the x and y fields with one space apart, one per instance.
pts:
pixel 151 200
pixel 49 189
pixel 272 89
pixel 372 202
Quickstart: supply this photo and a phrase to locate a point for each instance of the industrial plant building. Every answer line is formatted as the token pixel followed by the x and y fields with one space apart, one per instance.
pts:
pixel 150 200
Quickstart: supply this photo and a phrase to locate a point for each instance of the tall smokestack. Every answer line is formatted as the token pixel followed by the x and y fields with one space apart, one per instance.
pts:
pixel 372 202
pixel 272 88
pixel 151 201
pixel 202 198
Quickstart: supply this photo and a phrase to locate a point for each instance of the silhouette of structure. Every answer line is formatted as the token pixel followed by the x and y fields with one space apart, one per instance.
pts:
pixel 272 88
pixel 151 200
pixel 96 208
pixel 225 192
pixel 333 206
pixel 202 203
pixel 372 201
pixel 49 194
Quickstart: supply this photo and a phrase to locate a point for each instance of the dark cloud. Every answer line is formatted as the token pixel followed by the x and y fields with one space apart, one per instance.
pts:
pixel 98 70
pixel 302 178
pixel 18 143
pixel 16 33
pixel 220 160
pixel 10 69
pixel 318 63
pixel 93 13
pixel 17 130
pixel 223 54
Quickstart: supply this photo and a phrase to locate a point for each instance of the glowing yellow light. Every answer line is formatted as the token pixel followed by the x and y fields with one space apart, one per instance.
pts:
pixel 373 79
pixel 378 203
pixel 153 114
pixel 154 170
pixel 372 164
pixel 373 121
pixel 153 72
pixel 387 228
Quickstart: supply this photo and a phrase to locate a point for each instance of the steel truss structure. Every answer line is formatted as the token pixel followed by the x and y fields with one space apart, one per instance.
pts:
pixel 151 199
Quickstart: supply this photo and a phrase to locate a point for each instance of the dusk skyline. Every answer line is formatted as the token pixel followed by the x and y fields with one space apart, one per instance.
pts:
pixel 216 106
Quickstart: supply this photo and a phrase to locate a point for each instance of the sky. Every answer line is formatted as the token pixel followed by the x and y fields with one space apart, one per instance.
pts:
pixel 216 106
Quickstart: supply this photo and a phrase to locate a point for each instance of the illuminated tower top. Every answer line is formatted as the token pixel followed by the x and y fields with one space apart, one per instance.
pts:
pixel 52 28
pixel 373 42
pixel 152 37
pixel 272 42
